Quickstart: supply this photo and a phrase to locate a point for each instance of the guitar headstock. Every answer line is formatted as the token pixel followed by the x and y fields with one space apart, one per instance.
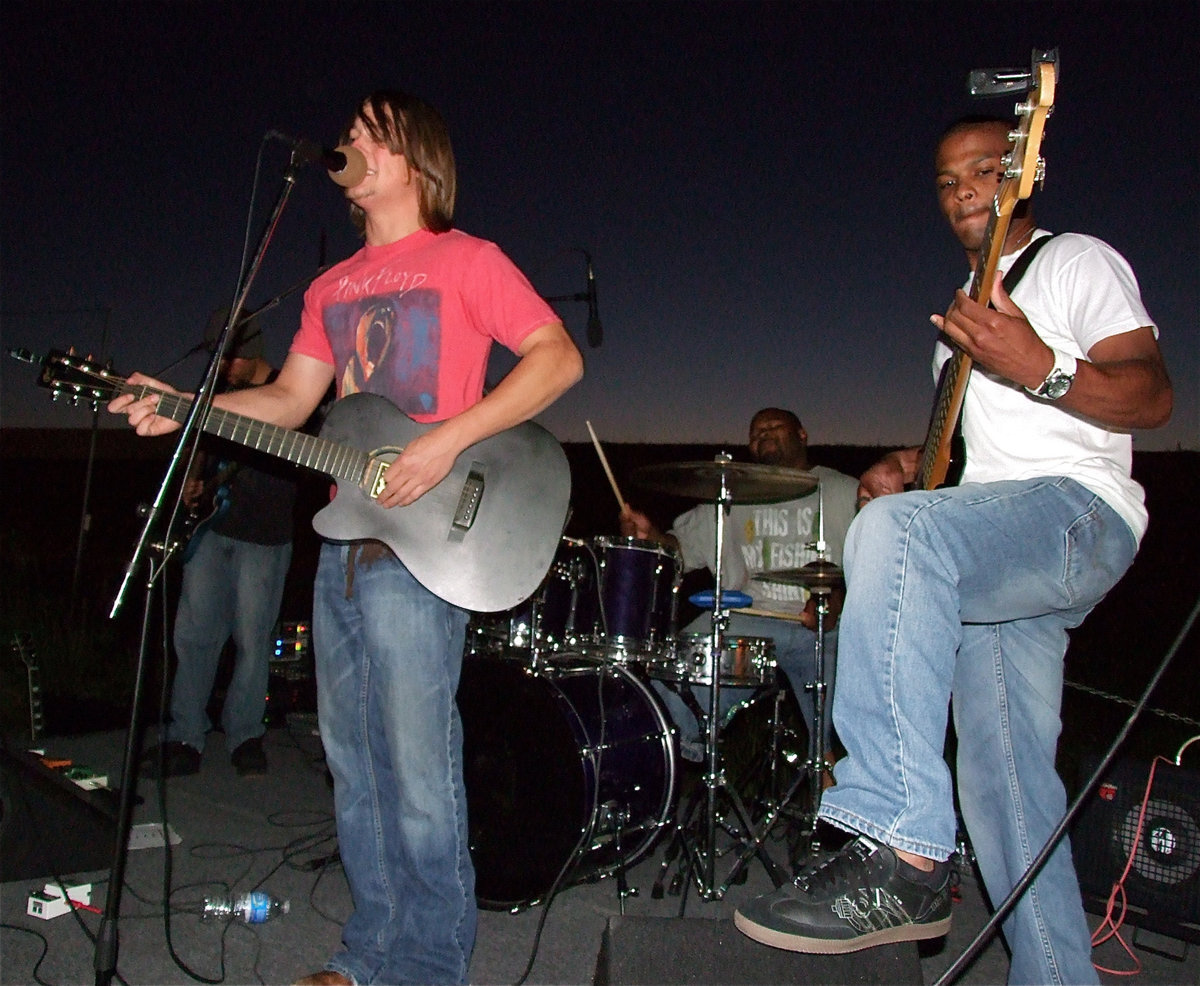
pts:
pixel 1024 166
pixel 78 380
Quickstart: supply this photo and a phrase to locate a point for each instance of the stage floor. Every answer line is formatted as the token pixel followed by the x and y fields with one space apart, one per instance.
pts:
pixel 276 833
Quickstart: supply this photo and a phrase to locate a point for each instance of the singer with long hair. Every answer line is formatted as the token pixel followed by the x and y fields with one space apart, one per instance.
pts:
pixel 411 316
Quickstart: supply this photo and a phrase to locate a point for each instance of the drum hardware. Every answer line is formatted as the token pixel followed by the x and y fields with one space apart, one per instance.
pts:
pixel 613 818
pixel 754 788
pixel 821 577
pixel 716 807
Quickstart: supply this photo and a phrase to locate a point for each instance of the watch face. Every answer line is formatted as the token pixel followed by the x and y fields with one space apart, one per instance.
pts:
pixel 1057 384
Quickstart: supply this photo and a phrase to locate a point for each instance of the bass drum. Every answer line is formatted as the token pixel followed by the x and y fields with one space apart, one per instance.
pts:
pixel 569 770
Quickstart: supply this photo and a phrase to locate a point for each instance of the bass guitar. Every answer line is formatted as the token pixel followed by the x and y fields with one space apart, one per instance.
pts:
pixel 1023 168
pixel 216 494
pixel 482 539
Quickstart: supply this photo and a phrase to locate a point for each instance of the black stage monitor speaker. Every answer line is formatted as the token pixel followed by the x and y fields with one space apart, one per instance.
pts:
pixel 645 950
pixel 1163 886
pixel 50 826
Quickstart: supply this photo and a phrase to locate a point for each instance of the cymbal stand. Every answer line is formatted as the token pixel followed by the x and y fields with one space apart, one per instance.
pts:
pixel 816 765
pixel 821 589
pixel 702 854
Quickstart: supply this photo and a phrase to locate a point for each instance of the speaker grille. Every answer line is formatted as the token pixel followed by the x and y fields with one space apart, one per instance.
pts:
pixel 1163 884
pixel 1169 850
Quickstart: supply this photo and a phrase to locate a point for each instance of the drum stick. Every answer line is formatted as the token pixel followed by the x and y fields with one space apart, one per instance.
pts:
pixel 607 471
pixel 751 611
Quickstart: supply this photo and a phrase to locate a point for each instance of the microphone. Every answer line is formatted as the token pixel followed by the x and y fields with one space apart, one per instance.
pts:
pixel 345 164
pixel 595 332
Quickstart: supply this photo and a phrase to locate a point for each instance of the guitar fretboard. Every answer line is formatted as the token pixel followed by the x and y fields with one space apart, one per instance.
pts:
pixel 331 458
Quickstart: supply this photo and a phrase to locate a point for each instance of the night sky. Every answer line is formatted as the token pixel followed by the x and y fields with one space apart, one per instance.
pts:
pixel 753 182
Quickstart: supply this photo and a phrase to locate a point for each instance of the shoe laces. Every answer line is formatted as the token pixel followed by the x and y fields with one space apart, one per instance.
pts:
pixel 836 868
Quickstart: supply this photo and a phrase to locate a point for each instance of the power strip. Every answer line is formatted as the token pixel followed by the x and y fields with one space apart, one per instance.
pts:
pixel 49 902
pixel 150 835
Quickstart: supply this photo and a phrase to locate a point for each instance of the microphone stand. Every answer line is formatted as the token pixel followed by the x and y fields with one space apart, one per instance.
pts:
pixel 594 330
pixel 201 346
pixel 108 935
pixel 578 295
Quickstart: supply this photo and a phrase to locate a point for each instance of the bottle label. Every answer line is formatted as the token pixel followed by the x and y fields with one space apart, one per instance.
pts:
pixel 258 908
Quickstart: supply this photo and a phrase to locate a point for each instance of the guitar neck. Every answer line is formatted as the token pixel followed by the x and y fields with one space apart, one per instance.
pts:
pixel 341 462
pixel 934 463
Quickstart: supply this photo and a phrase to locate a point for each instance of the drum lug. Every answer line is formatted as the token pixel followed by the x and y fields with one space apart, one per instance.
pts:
pixel 612 817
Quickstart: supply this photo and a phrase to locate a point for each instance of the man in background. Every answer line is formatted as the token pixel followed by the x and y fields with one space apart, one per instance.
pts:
pixel 760 537
pixel 236 562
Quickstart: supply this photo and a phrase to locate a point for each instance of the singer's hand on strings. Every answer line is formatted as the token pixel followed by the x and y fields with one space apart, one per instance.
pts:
pixel 142 412
pixel 424 463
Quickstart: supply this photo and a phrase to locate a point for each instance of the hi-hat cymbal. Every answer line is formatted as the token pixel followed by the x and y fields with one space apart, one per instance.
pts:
pixel 745 482
pixel 815 575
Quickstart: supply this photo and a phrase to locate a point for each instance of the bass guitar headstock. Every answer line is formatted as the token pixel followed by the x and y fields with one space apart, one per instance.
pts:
pixel 1024 165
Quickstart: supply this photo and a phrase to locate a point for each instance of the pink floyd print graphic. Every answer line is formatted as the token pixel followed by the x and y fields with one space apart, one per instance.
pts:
pixel 389 345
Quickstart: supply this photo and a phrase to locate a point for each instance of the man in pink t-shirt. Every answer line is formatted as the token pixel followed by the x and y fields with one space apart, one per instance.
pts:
pixel 411 316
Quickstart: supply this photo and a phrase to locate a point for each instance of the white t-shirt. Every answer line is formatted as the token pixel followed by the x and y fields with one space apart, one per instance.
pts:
pixel 762 537
pixel 1077 292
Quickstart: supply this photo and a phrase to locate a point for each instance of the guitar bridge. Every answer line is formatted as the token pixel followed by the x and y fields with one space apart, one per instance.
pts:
pixel 468 501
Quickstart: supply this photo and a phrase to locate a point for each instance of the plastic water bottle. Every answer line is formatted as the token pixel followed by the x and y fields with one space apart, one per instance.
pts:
pixel 249 908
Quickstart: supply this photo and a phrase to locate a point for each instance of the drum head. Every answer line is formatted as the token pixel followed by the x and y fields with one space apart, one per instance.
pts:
pixel 569 771
pixel 525 789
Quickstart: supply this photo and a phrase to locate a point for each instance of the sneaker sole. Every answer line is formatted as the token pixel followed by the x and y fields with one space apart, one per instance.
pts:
pixel 838 946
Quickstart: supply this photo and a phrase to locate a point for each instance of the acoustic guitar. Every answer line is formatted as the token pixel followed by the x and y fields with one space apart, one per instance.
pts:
pixel 483 538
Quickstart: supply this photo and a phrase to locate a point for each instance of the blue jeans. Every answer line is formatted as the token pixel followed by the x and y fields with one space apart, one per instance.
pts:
pixel 388 657
pixel 230 589
pixel 969 592
pixel 795 653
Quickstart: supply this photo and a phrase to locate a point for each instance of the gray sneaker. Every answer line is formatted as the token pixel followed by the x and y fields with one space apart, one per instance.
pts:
pixel 862 896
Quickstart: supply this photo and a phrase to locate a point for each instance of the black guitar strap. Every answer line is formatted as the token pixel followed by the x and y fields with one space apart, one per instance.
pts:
pixel 1022 262
pixel 958 450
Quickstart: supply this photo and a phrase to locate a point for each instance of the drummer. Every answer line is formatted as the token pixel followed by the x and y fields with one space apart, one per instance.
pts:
pixel 760 537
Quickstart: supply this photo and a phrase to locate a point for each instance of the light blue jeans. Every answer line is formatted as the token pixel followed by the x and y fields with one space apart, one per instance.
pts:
pixel 388 657
pixel 969 592
pixel 230 589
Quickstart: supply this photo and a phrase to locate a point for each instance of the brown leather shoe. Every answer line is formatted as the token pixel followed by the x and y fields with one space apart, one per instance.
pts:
pixel 326 977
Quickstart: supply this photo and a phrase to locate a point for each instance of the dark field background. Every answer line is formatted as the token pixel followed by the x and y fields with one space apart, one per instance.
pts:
pixel 59 586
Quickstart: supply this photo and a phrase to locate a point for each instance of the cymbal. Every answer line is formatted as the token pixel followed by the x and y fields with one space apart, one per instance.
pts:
pixel 746 482
pixel 815 575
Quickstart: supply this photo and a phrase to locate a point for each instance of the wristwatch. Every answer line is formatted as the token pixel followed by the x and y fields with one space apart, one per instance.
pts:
pixel 1058 381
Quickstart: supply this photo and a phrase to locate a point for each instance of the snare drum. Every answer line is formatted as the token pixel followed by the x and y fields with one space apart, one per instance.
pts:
pixel 746 662
pixel 637 598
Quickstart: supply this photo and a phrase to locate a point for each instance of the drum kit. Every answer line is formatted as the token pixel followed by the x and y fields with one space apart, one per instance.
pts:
pixel 565 739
